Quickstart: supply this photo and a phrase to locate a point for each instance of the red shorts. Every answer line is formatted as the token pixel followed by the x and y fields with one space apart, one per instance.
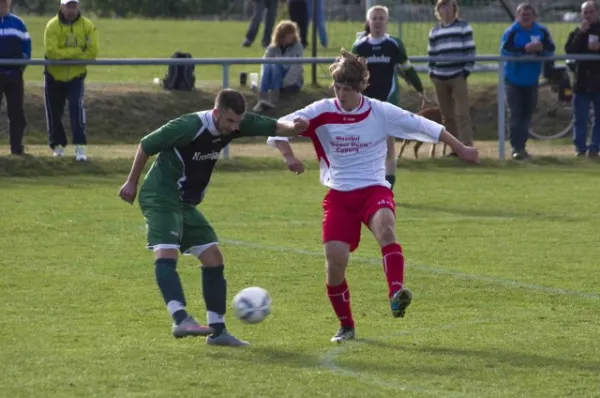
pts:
pixel 345 211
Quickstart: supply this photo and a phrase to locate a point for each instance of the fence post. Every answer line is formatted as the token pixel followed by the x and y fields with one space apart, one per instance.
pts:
pixel 501 110
pixel 226 85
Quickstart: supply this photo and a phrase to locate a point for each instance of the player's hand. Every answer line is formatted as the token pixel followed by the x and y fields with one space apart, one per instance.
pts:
pixel 469 154
pixel 300 125
pixel 294 165
pixel 594 46
pixel 128 192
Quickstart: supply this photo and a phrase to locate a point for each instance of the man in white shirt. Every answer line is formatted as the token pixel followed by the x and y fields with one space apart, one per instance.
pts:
pixel 350 134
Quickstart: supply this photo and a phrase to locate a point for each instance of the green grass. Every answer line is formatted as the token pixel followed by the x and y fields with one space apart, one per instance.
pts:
pixel 500 260
pixel 135 38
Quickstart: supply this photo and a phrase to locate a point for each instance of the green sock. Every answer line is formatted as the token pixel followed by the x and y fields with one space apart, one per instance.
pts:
pixel 170 286
pixel 391 179
pixel 214 290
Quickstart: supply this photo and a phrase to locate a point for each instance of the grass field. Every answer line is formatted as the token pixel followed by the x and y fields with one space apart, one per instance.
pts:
pixel 159 39
pixel 502 262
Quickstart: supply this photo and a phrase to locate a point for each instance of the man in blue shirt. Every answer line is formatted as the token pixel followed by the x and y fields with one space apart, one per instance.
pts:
pixel 14 43
pixel 524 37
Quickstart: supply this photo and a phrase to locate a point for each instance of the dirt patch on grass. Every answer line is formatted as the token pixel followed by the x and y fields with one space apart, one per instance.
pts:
pixel 121 114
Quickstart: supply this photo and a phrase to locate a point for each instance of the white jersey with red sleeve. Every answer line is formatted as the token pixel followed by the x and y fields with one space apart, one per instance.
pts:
pixel 351 146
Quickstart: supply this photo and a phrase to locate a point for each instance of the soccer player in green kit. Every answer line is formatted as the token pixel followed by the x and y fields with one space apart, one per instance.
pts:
pixel 188 148
pixel 385 55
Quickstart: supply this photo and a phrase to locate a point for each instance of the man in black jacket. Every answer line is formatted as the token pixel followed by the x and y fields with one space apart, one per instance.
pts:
pixel 585 40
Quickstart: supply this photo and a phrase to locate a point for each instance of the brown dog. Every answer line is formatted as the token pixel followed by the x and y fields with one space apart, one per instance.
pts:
pixel 431 114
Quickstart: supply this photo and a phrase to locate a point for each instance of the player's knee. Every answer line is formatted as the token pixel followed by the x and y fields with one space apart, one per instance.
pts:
pixel 383 227
pixel 211 257
pixel 386 235
pixel 336 256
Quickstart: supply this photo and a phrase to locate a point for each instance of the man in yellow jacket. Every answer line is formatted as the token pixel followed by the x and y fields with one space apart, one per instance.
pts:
pixel 68 36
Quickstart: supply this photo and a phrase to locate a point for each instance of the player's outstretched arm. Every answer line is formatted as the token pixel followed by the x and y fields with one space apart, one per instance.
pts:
pixel 286 128
pixel 407 125
pixel 291 161
pixel 466 153
pixel 128 191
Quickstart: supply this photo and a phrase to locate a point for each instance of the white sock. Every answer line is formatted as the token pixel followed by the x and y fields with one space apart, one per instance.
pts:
pixel 213 317
pixel 173 306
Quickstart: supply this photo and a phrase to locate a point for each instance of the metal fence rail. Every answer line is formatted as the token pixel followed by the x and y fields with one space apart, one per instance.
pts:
pixel 483 63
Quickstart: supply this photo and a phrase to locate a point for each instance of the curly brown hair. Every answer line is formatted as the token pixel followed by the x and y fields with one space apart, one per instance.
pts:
pixel 283 29
pixel 350 70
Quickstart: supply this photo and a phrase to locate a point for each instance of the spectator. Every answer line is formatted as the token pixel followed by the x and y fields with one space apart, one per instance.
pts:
pixel 259 10
pixel 584 40
pixel 275 77
pixel 452 37
pixel 298 10
pixel 321 29
pixel 15 43
pixel 386 56
pixel 69 35
pixel 523 37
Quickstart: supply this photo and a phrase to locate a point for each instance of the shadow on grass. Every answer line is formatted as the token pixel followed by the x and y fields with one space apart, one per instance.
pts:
pixel 492 357
pixel 494 213
pixel 268 356
pixel 12 166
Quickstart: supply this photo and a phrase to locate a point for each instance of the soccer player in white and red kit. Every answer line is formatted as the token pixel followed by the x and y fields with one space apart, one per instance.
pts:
pixel 350 134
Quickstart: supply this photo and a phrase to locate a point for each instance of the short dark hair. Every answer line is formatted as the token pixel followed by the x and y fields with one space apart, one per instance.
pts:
pixel 232 100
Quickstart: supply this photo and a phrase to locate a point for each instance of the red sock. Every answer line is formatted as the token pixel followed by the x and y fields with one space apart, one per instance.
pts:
pixel 393 267
pixel 340 300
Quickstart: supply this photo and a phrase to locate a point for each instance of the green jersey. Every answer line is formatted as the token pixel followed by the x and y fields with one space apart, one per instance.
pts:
pixel 188 149
pixel 383 55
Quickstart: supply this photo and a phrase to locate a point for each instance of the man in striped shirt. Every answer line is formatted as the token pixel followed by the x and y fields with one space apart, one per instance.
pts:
pixel 452 37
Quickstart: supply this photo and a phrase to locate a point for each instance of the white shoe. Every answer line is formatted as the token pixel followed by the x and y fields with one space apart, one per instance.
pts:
pixel 58 151
pixel 80 153
pixel 344 334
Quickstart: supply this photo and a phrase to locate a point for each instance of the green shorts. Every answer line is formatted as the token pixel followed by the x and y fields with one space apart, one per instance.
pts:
pixel 185 229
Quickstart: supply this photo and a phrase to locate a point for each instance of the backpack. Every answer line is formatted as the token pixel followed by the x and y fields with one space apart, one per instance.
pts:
pixel 180 77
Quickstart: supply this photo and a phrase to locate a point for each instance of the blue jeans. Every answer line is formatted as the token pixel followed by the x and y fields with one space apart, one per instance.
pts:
pixel 259 10
pixel 521 101
pixel 272 79
pixel 320 20
pixel 581 110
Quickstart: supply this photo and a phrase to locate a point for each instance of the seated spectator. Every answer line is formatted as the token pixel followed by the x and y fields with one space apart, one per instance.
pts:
pixel 281 77
pixel 585 40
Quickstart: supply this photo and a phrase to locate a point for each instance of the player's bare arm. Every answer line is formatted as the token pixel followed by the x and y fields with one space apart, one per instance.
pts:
pixel 292 163
pixel 291 128
pixel 466 153
pixel 407 125
pixel 128 191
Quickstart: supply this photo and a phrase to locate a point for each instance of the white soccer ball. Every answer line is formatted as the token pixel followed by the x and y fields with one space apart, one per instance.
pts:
pixel 252 304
